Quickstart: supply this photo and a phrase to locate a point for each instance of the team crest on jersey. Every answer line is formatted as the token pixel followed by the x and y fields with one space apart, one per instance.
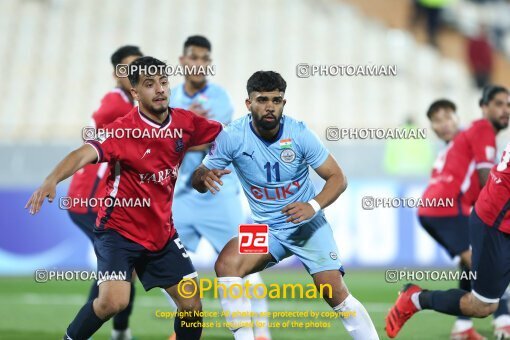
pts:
pixel 333 255
pixel 288 155
pixel 179 145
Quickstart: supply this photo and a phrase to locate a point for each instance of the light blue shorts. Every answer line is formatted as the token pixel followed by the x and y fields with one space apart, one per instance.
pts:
pixel 216 218
pixel 312 242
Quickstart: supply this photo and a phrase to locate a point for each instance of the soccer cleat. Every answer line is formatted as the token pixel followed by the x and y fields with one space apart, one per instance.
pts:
pixel 502 333
pixel 468 334
pixel 402 310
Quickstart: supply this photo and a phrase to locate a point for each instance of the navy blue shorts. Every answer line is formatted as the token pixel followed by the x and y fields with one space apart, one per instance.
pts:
pixel 164 268
pixel 490 260
pixel 450 232
pixel 85 222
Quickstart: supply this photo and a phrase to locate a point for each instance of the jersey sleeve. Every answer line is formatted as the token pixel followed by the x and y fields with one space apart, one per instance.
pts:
pixel 205 130
pixel 483 144
pixel 107 147
pixel 314 151
pixel 220 153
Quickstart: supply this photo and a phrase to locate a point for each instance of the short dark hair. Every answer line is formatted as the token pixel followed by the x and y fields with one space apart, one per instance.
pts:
pixel 440 104
pixel 265 81
pixel 139 65
pixel 489 92
pixel 197 40
pixel 123 52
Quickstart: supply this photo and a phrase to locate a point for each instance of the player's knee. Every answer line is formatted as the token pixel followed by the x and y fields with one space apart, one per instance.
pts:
pixel 483 311
pixel 227 266
pixel 111 305
pixel 191 305
pixel 477 308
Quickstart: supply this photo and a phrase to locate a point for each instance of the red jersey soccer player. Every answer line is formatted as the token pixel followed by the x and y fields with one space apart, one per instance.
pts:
pixel 490 255
pixel 450 229
pixel 138 237
pixel 89 182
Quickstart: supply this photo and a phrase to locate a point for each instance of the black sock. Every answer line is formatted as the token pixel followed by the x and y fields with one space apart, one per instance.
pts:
pixel 187 333
pixel 502 308
pixel 442 301
pixel 464 284
pixel 94 291
pixel 84 324
pixel 121 320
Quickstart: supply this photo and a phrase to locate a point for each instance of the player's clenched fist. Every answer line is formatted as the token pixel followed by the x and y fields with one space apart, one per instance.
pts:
pixel 210 179
pixel 47 189
pixel 298 212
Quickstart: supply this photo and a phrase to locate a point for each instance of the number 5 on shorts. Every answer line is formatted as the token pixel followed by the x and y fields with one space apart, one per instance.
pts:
pixel 180 246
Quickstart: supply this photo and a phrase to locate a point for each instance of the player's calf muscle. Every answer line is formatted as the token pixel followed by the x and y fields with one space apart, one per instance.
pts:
pixel 338 291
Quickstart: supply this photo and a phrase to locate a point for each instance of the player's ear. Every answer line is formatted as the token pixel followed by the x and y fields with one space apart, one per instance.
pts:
pixel 134 94
pixel 248 103
pixel 284 102
pixel 181 60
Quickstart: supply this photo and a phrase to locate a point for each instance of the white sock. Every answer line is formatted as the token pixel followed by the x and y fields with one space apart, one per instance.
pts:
pixel 356 319
pixel 121 335
pixel 462 325
pixel 416 300
pixel 502 320
pixel 258 306
pixel 169 298
pixel 230 304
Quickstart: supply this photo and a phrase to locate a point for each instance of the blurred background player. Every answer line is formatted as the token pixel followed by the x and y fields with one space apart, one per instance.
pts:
pixel 88 182
pixel 271 154
pixel 221 214
pixel 452 232
pixel 460 173
pixel 489 229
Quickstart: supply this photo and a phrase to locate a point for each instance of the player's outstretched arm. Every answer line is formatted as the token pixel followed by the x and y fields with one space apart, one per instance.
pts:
pixel 336 183
pixel 68 166
pixel 204 179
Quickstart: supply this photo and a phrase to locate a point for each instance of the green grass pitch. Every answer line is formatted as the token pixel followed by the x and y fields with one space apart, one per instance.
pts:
pixel 31 310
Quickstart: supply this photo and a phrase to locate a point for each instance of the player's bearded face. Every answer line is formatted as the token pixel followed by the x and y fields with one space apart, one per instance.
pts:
pixel 152 93
pixel 266 108
pixel 498 110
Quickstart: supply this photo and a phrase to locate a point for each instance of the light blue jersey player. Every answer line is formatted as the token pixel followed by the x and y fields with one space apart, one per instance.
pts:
pixel 213 217
pixel 219 214
pixel 271 154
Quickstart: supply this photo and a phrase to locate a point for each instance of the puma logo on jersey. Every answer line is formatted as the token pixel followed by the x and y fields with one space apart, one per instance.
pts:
pixel 248 155
pixel 148 151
